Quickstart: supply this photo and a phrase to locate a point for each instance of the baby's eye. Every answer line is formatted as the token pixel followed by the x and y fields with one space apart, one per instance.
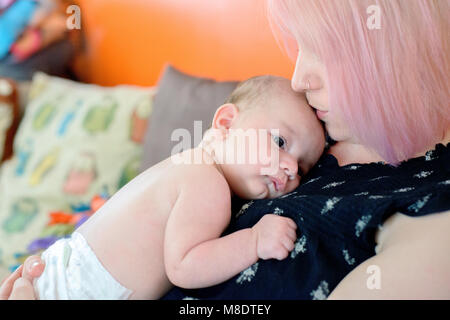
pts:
pixel 280 141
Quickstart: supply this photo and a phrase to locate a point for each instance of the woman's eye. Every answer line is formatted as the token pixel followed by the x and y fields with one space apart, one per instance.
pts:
pixel 280 141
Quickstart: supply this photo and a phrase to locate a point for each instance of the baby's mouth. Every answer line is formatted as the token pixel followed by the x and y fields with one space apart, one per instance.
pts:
pixel 278 184
pixel 275 185
pixel 272 189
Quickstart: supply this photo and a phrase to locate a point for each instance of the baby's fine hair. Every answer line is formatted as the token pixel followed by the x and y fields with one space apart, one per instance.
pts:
pixel 253 91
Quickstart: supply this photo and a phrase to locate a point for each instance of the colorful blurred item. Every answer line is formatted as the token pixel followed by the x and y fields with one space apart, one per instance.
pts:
pixel 81 175
pixel 9 116
pixel 29 43
pixel 44 166
pixel 5 4
pixel 13 22
pixel 100 116
pixel 140 120
pixel 28 26
pixel 61 224
pixel 23 212
pixel 48 31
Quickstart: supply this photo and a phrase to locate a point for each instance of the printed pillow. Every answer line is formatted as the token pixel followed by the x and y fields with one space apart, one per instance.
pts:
pixel 74 141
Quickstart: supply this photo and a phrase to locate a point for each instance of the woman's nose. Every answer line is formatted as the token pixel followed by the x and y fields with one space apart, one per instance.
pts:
pixel 304 80
pixel 297 78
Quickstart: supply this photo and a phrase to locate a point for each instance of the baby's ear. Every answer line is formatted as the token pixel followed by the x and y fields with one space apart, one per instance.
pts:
pixel 224 117
pixel 212 135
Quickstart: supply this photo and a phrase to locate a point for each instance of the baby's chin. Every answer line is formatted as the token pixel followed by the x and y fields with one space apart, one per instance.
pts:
pixel 263 191
pixel 268 192
pixel 255 194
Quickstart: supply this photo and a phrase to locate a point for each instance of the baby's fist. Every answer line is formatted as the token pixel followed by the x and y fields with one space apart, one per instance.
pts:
pixel 275 236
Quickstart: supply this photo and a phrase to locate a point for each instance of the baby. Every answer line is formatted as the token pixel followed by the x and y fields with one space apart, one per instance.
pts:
pixel 163 228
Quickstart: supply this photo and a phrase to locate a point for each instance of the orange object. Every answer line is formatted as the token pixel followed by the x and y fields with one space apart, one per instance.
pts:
pixel 96 203
pixel 60 217
pixel 138 127
pixel 130 41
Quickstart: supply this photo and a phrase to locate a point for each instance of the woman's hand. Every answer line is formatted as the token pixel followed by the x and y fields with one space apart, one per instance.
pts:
pixel 19 284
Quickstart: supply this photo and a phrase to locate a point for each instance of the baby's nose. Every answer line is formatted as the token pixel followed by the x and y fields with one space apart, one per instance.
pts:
pixel 290 167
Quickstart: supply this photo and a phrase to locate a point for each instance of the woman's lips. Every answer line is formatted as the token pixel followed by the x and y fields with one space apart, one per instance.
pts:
pixel 321 114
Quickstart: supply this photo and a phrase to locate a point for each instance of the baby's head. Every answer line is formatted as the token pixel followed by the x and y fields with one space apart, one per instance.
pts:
pixel 272 135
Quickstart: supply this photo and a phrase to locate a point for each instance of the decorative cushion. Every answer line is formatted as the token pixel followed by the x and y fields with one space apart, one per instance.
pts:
pixel 74 141
pixel 181 99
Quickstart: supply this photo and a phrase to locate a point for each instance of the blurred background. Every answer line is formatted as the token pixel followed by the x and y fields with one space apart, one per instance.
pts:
pixel 91 91
pixel 129 41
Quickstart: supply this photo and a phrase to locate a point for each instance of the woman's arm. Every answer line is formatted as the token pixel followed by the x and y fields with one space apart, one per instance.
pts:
pixel 413 263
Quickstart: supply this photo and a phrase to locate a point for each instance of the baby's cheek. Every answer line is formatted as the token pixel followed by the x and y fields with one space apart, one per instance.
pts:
pixel 293 184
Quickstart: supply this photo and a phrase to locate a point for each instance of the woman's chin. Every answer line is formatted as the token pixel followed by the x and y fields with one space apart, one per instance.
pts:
pixel 337 134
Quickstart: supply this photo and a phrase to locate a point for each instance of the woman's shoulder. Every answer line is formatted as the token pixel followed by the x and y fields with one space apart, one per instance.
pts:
pixel 436 161
pixel 363 192
pixel 357 197
pixel 359 193
pixel 411 179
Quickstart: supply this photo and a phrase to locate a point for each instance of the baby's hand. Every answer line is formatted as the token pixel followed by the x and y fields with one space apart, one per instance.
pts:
pixel 275 236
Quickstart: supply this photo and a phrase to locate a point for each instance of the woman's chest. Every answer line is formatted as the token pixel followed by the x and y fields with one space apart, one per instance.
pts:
pixel 401 229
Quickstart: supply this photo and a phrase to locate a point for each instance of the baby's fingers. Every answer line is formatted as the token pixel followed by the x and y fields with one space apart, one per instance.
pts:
pixel 288 244
pixel 282 253
pixel 292 234
pixel 291 223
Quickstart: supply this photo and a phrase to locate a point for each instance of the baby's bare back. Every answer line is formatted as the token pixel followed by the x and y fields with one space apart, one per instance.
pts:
pixel 127 233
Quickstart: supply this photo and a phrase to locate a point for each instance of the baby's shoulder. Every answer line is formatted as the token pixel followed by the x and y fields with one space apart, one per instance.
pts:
pixel 195 168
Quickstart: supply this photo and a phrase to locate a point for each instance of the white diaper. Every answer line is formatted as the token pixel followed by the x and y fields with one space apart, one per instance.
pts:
pixel 73 272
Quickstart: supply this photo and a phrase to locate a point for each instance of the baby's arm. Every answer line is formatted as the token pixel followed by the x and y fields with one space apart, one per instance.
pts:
pixel 195 256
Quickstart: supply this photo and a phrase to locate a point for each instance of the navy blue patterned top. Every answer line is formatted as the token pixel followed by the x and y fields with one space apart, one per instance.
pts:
pixel 337 211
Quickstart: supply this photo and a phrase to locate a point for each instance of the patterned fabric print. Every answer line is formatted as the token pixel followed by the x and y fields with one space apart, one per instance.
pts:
pixel 322 291
pixel 247 274
pixel 74 139
pixel 6 120
pixel 299 246
pixel 336 224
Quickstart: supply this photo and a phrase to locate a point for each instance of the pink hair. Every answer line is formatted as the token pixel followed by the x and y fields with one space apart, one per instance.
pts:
pixel 391 84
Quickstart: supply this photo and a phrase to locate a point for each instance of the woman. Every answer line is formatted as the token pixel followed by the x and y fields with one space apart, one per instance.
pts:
pixel 374 213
